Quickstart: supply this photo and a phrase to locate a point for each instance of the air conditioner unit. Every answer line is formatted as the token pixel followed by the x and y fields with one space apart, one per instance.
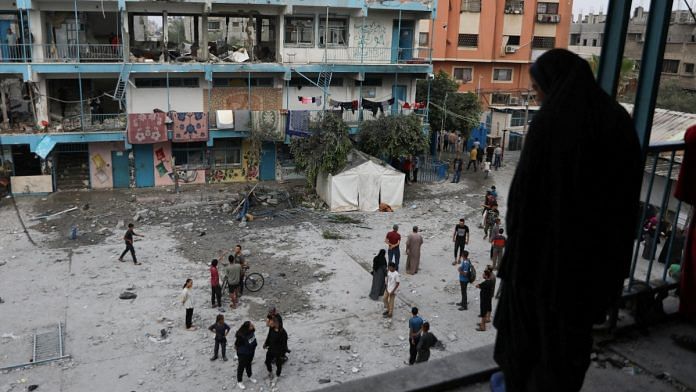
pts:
pixel 510 49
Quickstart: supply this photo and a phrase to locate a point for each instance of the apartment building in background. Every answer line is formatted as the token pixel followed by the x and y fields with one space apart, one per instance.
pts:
pixel 118 94
pixel 679 64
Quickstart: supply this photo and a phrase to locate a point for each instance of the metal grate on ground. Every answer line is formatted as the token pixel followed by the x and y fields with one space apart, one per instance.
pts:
pixel 48 344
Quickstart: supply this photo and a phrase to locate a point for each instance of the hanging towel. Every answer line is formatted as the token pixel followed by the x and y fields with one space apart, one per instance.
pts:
pixel 190 127
pixel 298 123
pixel 225 119
pixel 147 128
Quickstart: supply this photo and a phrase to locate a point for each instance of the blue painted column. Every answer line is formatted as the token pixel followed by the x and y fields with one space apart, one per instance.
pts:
pixel 651 69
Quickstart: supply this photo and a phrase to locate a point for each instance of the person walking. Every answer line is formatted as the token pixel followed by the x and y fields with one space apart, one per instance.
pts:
pixel 464 271
pixel 497 157
pixel 215 288
pixel 233 271
pixel 393 240
pixel 407 169
pixel 240 259
pixel 379 273
pixel 497 248
pixel 415 323
pixel 416 166
pixel 128 238
pixel 392 282
pixel 414 241
pixel 427 341
pixel 276 346
pixel 547 309
pixel 460 239
pixel 189 303
pixel 491 216
pixel 457 165
pixel 245 345
pixel 221 330
pixel 473 158
pixel 487 287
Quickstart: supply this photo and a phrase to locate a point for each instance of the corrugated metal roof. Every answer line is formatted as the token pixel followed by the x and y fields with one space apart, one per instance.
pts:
pixel 668 125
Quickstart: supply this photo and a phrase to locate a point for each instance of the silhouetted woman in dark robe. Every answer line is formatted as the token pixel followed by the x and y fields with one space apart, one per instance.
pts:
pixel 564 265
pixel 379 271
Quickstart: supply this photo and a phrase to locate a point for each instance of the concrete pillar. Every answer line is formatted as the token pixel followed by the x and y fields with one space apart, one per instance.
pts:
pixel 165 36
pixel 203 51
pixel 37 23
pixel 41 102
pixel 125 35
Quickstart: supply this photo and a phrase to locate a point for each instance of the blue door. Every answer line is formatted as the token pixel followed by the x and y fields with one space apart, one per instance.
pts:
pixel 402 40
pixel 399 93
pixel 119 169
pixel 268 161
pixel 144 165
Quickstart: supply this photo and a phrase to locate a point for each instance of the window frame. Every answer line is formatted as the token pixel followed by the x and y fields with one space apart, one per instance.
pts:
pixel 161 82
pixel 190 149
pixel 226 146
pixel 320 32
pixel 687 66
pixel 462 37
pixel 496 72
pixel 672 64
pixel 462 80
pixel 470 6
pixel 545 40
pixel 422 42
pixel 298 44
pixel 543 8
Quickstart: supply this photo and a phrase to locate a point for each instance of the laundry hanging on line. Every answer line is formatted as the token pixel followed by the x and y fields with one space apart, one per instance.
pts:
pixel 344 105
pixel 374 106
pixel 414 105
pixel 308 100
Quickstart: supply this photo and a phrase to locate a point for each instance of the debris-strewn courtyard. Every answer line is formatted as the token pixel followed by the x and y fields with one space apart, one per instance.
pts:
pixel 319 285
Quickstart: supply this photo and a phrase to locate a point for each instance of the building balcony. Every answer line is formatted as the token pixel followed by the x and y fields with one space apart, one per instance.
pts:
pixel 358 55
pixel 548 18
pixel 514 7
pixel 67 53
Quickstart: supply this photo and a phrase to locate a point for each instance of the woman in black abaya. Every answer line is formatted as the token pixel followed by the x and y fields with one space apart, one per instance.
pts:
pixel 379 272
pixel 563 264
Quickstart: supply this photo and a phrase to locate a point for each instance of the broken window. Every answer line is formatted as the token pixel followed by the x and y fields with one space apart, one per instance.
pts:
pixel 147 28
pixel 182 35
pixel 299 31
pixel 337 34
pixel 227 152
pixel 191 155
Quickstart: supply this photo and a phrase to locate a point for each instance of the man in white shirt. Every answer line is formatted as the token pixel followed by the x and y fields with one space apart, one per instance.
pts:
pixel 12 44
pixel 392 282
pixel 497 156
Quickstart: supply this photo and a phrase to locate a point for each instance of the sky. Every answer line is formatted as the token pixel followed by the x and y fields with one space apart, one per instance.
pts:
pixel 587 6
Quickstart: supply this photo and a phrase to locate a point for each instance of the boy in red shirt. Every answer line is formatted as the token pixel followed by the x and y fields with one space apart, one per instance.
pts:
pixel 393 239
pixel 215 289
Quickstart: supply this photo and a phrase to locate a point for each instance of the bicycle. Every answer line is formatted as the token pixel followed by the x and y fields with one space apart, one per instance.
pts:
pixel 253 282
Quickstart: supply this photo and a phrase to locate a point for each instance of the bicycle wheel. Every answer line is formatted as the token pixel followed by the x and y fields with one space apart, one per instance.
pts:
pixel 254 282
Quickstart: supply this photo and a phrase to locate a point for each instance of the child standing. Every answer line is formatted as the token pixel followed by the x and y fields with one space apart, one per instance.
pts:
pixel 245 344
pixel 187 301
pixel 215 289
pixel 221 330
pixel 487 288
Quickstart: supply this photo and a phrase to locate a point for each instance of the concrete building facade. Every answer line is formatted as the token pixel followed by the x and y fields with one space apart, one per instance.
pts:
pixel 129 93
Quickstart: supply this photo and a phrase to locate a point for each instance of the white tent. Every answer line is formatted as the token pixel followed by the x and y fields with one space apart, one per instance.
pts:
pixel 362 184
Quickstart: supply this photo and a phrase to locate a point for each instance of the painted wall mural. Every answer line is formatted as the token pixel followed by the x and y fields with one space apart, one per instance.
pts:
pixel 236 98
pixel 100 165
pixel 248 171
pixel 165 171
pixel 375 34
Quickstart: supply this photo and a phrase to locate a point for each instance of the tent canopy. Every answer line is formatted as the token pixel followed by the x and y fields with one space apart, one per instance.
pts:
pixel 361 185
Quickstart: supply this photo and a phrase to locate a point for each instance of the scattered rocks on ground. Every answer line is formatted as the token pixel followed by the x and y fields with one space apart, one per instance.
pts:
pixel 127 295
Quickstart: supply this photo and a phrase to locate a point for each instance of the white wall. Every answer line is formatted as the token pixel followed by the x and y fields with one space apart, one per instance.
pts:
pixel 144 100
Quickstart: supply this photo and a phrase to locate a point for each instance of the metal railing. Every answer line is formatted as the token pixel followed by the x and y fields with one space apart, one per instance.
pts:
pixel 432 170
pixel 417 55
pixel 358 54
pixel 61 53
pixel 95 122
pixel 660 232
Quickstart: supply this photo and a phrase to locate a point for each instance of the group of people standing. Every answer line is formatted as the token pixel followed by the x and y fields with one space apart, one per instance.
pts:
pixel 485 159
pixel 409 165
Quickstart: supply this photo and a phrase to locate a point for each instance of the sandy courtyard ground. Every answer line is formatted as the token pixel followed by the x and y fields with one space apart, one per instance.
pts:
pixel 320 286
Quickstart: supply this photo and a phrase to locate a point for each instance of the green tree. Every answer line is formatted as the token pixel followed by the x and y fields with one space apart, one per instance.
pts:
pixel 325 150
pixel 627 74
pixel 393 136
pixel 463 109
pixel 673 97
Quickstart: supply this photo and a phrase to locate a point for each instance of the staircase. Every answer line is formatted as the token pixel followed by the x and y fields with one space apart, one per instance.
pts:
pixel 72 171
pixel 121 84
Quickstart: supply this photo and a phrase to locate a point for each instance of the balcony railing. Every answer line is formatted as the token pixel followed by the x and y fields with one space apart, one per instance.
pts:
pixel 358 55
pixel 95 122
pixel 514 7
pixel 548 18
pixel 660 233
pixel 61 53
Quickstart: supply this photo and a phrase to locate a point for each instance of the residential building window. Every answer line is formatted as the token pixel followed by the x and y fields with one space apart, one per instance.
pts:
pixel 162 82
pixel 468 40
pixel 227 152
pixel 214 25
pixel 299 31
pixel 371 82
pixel 689 68
pixel 471 6
pixel 670 66
pixel 189 154
pixel 337 34
pixel 517 119
pixel 544 42
pixel 594 42
pixel 423 39
pixel 514 7
pixel 637 37
pixel 502 74
pixel 584 42
pixel 242 82
pixel 547 8
pixel 513 40
pixel 575 39
pixel 463 74
pixel 499 99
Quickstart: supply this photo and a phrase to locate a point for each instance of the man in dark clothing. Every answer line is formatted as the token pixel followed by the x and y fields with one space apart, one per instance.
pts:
pixel 547 304
pixel 415 324
pixel 426 342
pixel 277 345
pixel 457 170
pixel 128 238
pixel 460 239
pixel 221 330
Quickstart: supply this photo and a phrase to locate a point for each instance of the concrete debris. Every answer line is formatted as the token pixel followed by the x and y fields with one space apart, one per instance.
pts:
pixel 127 295
pixel 345 348
pixel 324 380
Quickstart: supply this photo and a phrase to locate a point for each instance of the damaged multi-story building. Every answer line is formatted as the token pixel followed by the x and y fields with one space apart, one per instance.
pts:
pixel 130 93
